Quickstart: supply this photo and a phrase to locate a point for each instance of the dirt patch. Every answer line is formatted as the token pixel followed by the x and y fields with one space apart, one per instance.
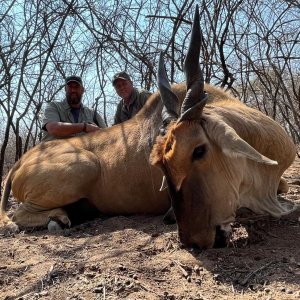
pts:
pixel 140 258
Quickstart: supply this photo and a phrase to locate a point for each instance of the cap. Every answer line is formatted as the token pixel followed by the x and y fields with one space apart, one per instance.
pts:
pixel 122 75
pixel 74 79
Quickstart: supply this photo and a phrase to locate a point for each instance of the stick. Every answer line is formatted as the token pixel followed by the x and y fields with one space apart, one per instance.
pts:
pixel 244 282
pixel 184 272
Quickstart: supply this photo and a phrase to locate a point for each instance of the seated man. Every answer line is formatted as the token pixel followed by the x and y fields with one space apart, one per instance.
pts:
pixel 70 117
pixel 133 99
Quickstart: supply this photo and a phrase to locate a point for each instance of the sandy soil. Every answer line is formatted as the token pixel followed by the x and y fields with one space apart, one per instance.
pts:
pixel 139 257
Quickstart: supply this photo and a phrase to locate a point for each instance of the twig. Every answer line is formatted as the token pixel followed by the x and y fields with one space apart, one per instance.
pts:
pixel 244 282
pixel 269 233
pixel 184 272
pixel 142 286
pixel 159 279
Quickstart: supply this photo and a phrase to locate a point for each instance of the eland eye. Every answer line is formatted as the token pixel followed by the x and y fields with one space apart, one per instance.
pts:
pixel 199 152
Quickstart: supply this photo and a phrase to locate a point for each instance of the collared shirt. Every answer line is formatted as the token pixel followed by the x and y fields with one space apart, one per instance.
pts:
pixel 137 101
pixel 61 112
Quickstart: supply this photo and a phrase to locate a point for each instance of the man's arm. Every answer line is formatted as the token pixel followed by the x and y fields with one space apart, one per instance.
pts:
pixel 55 127
pixel 60 129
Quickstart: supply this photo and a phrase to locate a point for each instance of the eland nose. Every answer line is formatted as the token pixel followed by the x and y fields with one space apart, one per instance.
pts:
pixel 197 241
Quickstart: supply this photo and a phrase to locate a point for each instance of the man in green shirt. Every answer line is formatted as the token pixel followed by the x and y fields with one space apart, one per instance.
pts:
pixel 133 99
pixel 70 117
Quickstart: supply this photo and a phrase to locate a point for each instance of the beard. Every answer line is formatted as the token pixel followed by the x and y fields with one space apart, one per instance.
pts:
pixel 73 98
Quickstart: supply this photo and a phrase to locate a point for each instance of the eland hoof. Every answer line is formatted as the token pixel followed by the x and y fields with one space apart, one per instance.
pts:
pixel 10 229
pixel 54 226
pixel 58 223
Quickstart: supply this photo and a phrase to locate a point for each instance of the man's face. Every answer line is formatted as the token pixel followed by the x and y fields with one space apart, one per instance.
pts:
pixel 124 88
pixel 74 92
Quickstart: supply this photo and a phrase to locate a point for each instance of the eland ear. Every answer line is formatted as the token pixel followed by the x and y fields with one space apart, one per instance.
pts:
pixel 241 148
pixel 230 142
pixel 156 155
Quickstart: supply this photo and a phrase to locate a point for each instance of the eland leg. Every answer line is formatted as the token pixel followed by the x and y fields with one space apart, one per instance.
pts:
pixel 32 215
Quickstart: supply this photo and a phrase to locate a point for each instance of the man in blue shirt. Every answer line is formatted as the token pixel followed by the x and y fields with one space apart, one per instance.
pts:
pixel 70 117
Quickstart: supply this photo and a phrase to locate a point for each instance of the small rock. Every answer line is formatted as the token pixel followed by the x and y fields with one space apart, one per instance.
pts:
pixel 44 293
pixel 122 268
pixel 67 232
pixel 267 290
pixel 94 268
pixel 292 260
pixel 197 269
pixel 217 277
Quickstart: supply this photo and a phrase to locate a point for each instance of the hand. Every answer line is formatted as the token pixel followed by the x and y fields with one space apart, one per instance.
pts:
pixel 90 127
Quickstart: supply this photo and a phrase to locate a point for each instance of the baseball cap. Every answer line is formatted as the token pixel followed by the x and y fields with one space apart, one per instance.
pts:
pixel 74 78
pixel 121 75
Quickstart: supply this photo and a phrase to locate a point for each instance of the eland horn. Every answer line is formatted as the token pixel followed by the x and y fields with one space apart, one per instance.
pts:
pixel 195 98
pixel 169 99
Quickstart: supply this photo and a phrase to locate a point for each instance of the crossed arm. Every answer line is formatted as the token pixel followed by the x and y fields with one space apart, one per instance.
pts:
pixel 61 129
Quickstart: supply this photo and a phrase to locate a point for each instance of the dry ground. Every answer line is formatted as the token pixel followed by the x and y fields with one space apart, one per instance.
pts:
pixel 140 258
